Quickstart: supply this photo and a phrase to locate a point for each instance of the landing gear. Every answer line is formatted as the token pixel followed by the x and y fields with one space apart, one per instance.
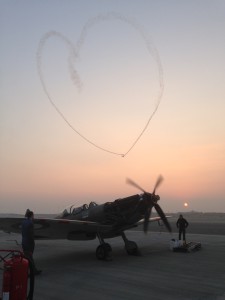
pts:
pixel 104 250
pixel 130 246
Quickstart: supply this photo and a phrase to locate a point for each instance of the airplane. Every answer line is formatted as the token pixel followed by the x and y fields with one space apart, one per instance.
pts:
pixel 102 221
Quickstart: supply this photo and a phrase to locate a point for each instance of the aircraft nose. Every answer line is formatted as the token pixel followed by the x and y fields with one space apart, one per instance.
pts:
pixel 157 198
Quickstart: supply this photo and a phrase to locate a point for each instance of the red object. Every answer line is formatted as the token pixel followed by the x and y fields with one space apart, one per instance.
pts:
pixel 15 277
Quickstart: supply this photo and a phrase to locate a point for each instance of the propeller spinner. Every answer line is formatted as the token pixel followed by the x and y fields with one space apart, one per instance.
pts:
pixel 151 202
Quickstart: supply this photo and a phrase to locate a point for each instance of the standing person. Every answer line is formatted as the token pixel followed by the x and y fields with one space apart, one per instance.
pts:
pixel 28 242
pixel 182 224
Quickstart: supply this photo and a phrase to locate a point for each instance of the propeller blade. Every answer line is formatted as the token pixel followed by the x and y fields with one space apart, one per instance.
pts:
pixel 163 217
pixel 131 182
pixel 147 216
pixel 158 182
pixel 151 202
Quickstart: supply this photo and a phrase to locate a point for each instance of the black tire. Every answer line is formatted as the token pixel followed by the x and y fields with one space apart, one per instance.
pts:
pixel 131 248
pixel 102 251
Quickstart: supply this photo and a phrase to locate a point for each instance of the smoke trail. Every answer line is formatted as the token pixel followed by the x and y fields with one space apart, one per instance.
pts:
pixel 73 74
pixel 74 54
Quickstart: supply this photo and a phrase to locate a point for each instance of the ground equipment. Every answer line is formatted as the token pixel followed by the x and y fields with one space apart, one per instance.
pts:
pixel 180 246
pixel 15 276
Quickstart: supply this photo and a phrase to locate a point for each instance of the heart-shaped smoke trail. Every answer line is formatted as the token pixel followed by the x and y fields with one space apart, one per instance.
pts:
pixel 74 54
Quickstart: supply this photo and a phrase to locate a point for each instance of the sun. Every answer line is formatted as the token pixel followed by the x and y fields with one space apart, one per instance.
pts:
pixel 185 204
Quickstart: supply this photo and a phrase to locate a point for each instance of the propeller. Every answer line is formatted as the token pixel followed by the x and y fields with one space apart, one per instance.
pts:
pixel 147 216
pixel 163 217
pixel 158 182
pixel 131 182
pixel 151 202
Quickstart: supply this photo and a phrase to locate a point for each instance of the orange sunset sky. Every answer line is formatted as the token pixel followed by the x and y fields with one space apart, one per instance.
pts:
pixel 102 70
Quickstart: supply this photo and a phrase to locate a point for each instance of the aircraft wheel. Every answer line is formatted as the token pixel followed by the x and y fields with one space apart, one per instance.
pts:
pixel 108 247
pixel 100 252
pixel 131 248
pixel 103 252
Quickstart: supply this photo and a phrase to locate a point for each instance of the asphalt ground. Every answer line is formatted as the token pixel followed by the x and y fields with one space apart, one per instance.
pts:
pixel 71 270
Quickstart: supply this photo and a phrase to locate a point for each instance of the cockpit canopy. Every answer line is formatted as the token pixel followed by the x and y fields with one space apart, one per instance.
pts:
pixel 72 210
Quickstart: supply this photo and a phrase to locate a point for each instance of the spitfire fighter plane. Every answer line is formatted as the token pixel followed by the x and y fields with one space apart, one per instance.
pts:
pixel 103 221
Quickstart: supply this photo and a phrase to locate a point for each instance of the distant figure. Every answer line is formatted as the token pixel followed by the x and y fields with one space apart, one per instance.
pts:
pixel 28 242
pixel 182 224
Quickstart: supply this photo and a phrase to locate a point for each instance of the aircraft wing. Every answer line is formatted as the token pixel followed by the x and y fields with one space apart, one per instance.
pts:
pixel 57 228
pixel 153 219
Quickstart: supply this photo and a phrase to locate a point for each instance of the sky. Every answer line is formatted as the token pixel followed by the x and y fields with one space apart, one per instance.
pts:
pixel 94 92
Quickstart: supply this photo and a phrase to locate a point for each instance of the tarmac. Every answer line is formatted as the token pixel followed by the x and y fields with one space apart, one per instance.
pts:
pixel 71 270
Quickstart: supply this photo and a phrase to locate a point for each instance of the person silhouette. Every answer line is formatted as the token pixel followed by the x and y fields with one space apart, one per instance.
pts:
pixel 182 224
pixel 28 243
